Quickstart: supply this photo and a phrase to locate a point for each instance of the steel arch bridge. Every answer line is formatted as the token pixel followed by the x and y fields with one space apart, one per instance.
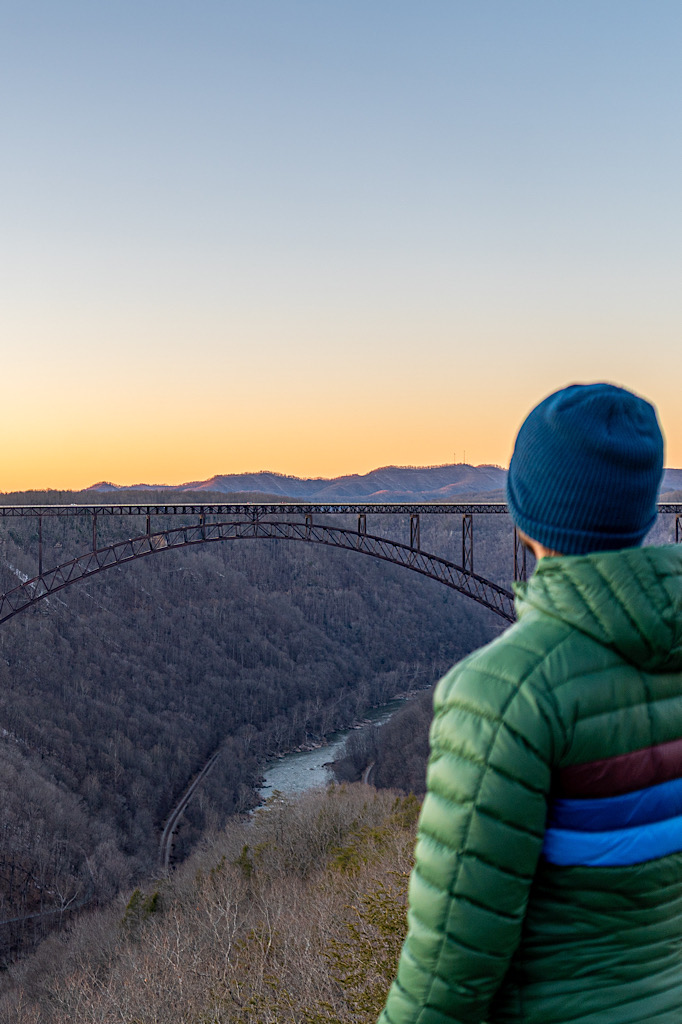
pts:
pixel 231 522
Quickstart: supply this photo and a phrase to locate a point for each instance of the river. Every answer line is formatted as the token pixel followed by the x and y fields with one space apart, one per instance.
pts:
pixel 301 770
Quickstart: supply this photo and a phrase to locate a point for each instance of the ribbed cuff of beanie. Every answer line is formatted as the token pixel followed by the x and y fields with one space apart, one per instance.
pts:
pixel 566 541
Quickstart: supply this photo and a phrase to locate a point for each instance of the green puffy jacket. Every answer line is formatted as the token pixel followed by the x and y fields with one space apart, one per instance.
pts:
pixel 548 879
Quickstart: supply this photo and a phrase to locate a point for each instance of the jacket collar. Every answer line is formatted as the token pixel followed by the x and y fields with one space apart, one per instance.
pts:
pixel 629 600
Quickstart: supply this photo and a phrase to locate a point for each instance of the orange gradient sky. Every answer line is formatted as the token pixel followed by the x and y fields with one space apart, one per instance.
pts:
pixel 319 239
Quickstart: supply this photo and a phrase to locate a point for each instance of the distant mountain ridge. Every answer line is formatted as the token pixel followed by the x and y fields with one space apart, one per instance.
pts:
pixel 390 483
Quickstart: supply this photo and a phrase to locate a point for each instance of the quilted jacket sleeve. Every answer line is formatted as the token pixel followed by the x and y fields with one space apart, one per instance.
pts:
pixel 480 836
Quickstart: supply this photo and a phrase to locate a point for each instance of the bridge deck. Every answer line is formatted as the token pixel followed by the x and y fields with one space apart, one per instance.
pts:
pixel 255 509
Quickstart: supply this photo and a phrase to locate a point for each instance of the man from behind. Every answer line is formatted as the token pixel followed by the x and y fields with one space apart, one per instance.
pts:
pixel 547 885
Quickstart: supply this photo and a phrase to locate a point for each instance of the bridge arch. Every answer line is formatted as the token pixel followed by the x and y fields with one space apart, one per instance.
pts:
pixel 31 592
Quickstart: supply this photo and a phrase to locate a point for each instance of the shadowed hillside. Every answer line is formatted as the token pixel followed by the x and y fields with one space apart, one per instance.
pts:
pixel 114 692
pixel 297 917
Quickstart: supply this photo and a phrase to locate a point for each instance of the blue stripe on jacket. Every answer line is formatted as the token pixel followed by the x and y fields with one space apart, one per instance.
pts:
pixel 640 807
pixel 616 831
pixel 616 848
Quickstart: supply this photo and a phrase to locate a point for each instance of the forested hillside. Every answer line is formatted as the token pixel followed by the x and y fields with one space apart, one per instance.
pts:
pixel 395 754
pixel 294 918
pixel 114 692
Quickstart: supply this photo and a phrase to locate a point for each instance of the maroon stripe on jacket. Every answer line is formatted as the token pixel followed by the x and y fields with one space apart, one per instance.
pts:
pixel 623 774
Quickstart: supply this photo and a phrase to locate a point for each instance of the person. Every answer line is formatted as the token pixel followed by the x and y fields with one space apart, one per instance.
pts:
pixel 547 884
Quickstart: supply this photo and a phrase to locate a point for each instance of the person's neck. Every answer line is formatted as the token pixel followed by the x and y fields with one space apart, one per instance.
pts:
pixel 538 549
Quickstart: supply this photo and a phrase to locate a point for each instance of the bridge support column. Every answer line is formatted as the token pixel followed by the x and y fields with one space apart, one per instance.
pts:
pixel 520 570
pixel 678 529
pixel 40 545
pixel 415 541
pixel 362 524
pixel 149 525
pixel 94 531
pixel 202 524
pixel 308 526
pixel 468 542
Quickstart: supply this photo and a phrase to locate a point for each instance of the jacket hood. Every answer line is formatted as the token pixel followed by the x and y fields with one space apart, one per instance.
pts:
pixel 629 600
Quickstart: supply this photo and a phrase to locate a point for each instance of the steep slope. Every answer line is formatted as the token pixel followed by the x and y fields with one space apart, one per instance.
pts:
pixel 115 692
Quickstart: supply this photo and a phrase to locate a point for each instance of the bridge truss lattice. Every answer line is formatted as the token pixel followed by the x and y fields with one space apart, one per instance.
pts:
pixel 212 523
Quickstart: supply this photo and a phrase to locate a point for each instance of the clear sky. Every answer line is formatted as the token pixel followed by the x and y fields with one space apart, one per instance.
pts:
pixel 320 236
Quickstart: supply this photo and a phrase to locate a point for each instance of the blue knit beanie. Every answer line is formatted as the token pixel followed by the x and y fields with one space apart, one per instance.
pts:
pixel 586 469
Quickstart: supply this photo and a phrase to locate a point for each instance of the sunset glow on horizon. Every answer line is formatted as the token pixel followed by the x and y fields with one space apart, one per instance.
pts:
pixel 320 239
